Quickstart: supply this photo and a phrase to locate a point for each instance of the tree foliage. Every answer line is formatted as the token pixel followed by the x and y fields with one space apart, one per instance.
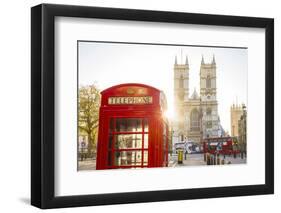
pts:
pixel 88 117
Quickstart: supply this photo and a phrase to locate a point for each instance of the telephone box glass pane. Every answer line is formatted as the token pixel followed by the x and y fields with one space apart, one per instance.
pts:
pixel 145 158
pixel 128 125
pixel 128 158
pixel 128 141
pixel 145 141
pixel 145 124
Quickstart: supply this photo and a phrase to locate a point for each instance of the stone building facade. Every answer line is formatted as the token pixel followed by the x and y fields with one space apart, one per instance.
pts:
pixel 242 130
pixel 196 116
pixel 236 111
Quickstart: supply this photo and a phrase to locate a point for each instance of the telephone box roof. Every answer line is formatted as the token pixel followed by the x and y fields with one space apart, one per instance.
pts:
pixel 129 85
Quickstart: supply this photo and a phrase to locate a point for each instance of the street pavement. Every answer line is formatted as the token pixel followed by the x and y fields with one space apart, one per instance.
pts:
pixel 233 160
pixel 198 159
pixel 191 160
pixel 88 164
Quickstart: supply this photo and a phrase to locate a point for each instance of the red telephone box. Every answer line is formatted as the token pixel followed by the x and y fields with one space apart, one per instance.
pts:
pixel 133 131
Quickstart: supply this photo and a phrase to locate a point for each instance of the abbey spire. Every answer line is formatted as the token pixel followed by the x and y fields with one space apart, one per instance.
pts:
pixel 213 61
pixel 186 61
pixel 202 60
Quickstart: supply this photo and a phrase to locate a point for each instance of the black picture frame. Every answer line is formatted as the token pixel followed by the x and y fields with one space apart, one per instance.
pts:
pixel 43 105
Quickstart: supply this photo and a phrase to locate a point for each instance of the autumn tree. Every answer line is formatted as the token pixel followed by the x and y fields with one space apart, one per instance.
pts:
pixel 88 117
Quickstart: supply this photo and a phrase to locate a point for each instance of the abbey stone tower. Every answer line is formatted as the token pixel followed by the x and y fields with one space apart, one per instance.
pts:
pixel 196 116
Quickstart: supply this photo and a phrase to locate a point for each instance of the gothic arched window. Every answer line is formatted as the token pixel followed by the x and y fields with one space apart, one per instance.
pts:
pixel 181 82
pixel 208 82
pixel 209 111
pixel 194 119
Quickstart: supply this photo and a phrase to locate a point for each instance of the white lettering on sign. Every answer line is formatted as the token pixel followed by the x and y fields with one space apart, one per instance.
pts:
pixel 130 100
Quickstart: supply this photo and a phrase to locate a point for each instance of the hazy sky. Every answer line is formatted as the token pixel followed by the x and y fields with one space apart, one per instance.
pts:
pixel 108 64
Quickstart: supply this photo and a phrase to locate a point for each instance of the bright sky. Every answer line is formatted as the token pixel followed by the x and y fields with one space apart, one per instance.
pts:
pixel 108 64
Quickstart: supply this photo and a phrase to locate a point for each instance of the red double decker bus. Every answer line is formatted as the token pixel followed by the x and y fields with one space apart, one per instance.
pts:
pixel 221 145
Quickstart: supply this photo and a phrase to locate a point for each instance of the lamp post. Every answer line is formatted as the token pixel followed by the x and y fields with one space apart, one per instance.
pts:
pixel 83 144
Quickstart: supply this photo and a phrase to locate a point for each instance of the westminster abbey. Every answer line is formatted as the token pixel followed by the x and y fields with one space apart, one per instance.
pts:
pixel 196 115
